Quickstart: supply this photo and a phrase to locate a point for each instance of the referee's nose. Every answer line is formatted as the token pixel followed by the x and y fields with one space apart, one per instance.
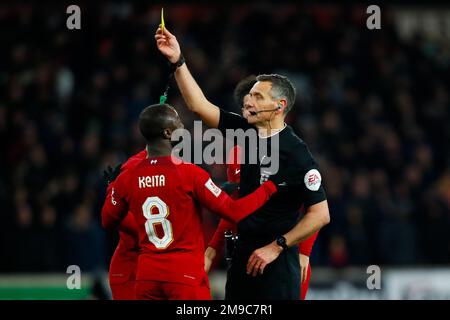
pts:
pixel 250 104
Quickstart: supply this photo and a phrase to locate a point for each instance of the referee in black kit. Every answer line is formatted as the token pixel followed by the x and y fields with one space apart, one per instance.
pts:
pixel 266 264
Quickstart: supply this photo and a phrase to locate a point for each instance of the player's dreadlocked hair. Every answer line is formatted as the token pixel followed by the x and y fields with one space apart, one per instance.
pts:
pixel 242 89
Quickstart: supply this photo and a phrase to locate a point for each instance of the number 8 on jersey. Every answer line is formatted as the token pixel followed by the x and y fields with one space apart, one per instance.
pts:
pixel 154 219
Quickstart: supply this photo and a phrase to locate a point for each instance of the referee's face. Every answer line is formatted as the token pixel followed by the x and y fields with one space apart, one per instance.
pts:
pixel 260 100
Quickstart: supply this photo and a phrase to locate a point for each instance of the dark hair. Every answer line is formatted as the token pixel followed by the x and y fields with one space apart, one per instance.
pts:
pixel 281 88
pixel 243 88
pixel 155 118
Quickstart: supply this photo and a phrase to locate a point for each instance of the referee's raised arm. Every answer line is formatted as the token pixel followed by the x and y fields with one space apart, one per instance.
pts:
pixel 192 94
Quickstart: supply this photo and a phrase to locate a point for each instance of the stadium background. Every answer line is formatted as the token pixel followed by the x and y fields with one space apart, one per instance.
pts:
pixel 373 105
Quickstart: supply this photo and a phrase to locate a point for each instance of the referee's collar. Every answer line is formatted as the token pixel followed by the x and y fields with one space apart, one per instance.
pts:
pixel 285 126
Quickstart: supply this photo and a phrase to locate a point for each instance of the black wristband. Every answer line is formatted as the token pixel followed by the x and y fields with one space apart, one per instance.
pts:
pixel 281 241
pixel 176 65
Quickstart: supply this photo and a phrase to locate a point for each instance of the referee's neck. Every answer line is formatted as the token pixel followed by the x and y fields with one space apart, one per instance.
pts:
pixel 267 131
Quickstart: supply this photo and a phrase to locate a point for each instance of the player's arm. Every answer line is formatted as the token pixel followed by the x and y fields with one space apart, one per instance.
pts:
pixel 210 254
pixel 114 208
pixel 304 252
pixel 236 210
pixel 305 247
pixel 128 225
pixel 217 201
pixel 217 242
pixel 192 94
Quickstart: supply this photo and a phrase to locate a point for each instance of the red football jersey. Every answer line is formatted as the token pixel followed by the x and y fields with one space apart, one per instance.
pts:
pixel 164 196
pixel 124 260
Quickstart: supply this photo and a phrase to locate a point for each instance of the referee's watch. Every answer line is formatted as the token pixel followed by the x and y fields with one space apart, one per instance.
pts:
pixel 176 65
pixel 281 241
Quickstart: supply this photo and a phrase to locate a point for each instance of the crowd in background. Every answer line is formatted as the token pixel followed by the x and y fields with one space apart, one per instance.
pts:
pixel 373 107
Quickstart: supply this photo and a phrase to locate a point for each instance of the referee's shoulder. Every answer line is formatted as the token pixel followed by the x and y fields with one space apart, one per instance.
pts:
pixel 299 147
pixel 294 140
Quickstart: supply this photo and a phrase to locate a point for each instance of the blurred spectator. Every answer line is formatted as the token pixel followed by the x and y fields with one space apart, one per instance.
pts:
pixel 84 241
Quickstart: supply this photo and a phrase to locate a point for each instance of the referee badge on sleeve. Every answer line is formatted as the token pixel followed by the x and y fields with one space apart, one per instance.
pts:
pixel 313 180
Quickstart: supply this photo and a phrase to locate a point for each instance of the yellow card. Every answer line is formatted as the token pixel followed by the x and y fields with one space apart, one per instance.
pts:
pixel 162 20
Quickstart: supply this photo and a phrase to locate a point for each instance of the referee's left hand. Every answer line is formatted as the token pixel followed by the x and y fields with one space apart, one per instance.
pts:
pixel 261 257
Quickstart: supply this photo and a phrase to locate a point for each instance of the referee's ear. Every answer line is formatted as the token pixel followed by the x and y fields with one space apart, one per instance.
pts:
pixel 281 106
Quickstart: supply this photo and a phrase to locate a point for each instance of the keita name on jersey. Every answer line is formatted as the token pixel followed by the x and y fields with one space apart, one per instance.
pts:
pixel 152 181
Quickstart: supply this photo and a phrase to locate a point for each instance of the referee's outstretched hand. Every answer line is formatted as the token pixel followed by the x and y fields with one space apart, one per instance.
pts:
pixel 110 174
pixel 168 44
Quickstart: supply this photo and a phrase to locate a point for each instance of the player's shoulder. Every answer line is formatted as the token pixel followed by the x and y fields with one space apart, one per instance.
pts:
pixel 134 160
pixel 123 178
pixel 140 155
pixel 178 164
pixel 133 168
pixel 190 167
pixel 192 172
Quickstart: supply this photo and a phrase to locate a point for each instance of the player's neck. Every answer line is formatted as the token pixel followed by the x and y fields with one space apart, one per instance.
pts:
pixel 160 148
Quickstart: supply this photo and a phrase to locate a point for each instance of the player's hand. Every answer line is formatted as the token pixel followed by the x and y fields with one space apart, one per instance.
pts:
pixel 261 257
pixel 168 45
pixel 229 187
pixel 110 174
pixel 304 262
pixel 210 254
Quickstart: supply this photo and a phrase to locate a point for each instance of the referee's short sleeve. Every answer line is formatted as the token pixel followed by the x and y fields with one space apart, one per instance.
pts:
pixel 231 120
pixel 312 185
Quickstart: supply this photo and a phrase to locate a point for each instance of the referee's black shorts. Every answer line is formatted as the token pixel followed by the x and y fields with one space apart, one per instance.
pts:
pixel 280 280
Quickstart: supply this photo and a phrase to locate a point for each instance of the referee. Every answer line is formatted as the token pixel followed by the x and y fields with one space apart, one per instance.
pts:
pixel 266 262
